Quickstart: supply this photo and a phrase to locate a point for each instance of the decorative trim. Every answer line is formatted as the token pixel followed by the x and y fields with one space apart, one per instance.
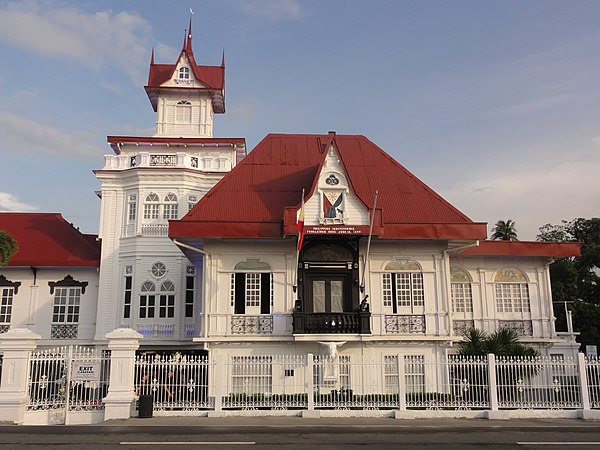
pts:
pixel 14 284
pixel 67 281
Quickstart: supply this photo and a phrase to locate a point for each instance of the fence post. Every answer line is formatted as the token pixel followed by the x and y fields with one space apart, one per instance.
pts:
pixel 17 345
pixel 220 381
pixel 401 383
pixel 123 342
pixel 491 359
pixel 310 382
pixel 583 382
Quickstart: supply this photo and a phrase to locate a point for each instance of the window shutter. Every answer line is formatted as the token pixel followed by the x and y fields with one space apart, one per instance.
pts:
pixel 240 293
pixel 265 293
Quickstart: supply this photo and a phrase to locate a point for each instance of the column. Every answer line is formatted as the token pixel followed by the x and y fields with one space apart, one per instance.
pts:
pixel 17 345
pixel 123 342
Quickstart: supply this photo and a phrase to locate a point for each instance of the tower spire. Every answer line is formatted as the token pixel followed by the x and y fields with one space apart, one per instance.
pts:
pixel 188 46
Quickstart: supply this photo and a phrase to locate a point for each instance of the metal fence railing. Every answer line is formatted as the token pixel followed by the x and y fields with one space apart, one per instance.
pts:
pixel 69 378
pixel 175 382
pixel 394 381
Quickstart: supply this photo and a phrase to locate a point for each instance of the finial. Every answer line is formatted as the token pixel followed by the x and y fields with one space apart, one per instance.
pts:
pixel 223 59
pixel 152 57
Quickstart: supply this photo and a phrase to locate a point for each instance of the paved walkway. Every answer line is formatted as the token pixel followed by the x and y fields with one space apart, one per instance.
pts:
pixel 367 422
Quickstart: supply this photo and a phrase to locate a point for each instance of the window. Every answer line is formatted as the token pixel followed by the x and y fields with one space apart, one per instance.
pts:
pixel 512 292
pixel 183 112
pixel 147 300
pixel 127 299
pixel 189 291
pixel 184 73
pixel 391 385
pixel 6 304
pixel 170 208
pixel 131 208
pixel 158 270
pixel 166 303
pixel 414 373
pixel 461 292
pixel 252 375
pixel 192 200
pixel 403 291
pixel 66 305
pixel 252 291
pixel 151 206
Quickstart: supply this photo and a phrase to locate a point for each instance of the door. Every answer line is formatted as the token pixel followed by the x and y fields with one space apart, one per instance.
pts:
pixel 328 292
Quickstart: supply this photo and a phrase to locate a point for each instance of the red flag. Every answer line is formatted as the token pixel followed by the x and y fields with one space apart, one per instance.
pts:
pixel 300 223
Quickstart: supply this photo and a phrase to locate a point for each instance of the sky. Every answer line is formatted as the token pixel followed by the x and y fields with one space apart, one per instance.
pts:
pixel 493 104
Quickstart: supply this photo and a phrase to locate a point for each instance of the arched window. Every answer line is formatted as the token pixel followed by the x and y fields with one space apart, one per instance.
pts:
pixel 151 206
pixel 184 73
pixel 171 207
pixel 252 287
pixel 147 300
pixel 512 291
pixel 183 112
pixel 166 304
pixel 403 287
pixel 461 292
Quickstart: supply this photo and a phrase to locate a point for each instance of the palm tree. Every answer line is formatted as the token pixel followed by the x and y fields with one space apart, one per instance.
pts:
pixel 505 231
pixel 8 247
pixel 502 342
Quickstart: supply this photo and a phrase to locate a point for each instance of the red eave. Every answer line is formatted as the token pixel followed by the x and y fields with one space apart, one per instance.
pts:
pixel 47 239
pixel 526 248
pixel 173 141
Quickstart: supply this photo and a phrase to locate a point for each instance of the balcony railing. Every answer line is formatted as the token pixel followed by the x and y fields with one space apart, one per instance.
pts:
pixel 339 323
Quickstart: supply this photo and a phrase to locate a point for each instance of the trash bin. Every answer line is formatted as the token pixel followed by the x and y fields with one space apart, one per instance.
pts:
pixel 145 406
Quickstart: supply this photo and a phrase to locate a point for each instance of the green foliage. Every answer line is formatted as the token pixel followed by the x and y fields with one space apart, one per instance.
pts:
pixel 8 247
pixel 505 231
pixel 502 342
pixel 577 280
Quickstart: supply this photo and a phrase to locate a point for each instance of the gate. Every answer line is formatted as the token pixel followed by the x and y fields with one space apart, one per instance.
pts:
pixel 66 385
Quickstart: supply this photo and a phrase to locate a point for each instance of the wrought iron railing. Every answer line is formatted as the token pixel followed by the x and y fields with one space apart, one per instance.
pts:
pixel 341 322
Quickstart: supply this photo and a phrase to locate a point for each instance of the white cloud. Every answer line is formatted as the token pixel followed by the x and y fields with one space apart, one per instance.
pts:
pixel 9 202
pixel 532 196
pixel 27 137
pixel 272 9
pixel 244 111
pixel 95 39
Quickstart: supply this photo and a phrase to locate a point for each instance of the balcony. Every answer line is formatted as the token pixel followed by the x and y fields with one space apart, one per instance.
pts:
pixel 327 323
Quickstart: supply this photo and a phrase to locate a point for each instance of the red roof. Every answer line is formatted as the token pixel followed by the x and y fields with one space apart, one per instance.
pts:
pixel 47 239
pixel 524 248
pixel 260 196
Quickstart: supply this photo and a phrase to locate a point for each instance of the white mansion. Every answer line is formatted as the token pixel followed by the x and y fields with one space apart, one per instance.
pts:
pixel 198 248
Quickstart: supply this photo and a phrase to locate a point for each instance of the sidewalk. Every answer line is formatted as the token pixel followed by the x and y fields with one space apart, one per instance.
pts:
pixel 265 422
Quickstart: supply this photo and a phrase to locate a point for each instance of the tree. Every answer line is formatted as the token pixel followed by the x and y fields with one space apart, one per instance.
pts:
pixel 8 247
pixel 502 342
pixel 505 231
pixel 577 280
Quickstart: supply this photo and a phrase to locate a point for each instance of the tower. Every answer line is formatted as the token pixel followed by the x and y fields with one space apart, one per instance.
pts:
pixel 146 283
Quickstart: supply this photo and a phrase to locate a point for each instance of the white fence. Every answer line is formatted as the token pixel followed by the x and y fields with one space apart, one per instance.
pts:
pixel 67 380
pixel 401 382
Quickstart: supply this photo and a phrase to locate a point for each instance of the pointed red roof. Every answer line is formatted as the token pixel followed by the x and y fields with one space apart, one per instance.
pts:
pixel 213 77
pixel 260 196
pixel 47 239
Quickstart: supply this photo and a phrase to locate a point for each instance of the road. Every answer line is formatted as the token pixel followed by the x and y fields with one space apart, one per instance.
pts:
pixel 297 433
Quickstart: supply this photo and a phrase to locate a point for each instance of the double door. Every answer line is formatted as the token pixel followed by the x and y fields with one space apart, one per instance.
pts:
pixel 328 291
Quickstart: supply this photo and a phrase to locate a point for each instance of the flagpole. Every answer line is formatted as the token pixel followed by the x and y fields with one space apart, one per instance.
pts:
pixel 362 286
pixel 300 224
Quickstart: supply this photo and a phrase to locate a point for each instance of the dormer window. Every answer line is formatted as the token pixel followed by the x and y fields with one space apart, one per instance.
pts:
pixel 184 73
